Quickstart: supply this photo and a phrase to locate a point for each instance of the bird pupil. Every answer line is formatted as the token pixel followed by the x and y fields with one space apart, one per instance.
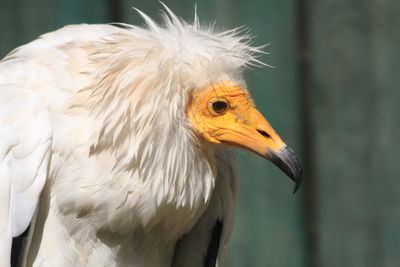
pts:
pixel 219 106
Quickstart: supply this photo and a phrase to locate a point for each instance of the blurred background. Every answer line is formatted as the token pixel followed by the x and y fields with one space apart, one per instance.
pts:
pixel 333 96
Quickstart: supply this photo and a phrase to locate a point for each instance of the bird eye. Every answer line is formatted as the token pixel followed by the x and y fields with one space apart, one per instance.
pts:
pixel 219 106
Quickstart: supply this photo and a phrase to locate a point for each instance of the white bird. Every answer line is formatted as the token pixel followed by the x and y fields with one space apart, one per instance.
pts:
pixel 114 144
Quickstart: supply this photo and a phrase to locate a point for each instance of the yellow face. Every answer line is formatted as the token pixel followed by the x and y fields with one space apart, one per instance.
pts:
pixel 225 114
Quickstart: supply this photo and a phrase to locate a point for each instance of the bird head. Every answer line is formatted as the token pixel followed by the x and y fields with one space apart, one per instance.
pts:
pixel 225 114
pixel 166 82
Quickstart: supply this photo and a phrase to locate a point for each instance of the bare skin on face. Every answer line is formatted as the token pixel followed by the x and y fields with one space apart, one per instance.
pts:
pixel 224 113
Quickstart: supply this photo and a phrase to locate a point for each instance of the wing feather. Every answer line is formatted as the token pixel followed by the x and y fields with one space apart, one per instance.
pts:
pixel 25 147
pixel 200 247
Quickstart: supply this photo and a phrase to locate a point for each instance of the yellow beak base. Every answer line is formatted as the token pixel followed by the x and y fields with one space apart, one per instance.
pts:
pixel 225 114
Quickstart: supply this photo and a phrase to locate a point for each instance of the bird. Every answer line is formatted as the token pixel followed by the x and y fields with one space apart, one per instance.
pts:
pixel 116 143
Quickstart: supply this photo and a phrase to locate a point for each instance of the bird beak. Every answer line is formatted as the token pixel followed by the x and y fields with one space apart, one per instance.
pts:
pixel 240 124
pixel 286 160
pixel 257 135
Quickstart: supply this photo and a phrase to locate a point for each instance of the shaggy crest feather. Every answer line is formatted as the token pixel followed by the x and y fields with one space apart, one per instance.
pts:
pixel 140 92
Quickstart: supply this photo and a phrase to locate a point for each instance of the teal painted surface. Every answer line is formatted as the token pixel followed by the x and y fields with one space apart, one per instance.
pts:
pixel 22 21
pixel 355 78
pixel 78 11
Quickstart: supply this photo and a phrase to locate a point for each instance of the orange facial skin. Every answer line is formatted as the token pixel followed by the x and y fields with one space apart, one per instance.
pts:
pixel 225 114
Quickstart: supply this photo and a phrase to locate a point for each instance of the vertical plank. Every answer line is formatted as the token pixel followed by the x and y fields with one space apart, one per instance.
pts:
pixel 355 75
pixel 269 222
pixel 307 134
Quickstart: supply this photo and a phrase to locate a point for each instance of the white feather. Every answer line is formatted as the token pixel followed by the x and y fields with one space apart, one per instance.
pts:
pixel 128 176
pixel 25 144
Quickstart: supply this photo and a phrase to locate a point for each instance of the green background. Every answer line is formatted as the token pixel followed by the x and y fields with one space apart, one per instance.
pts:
pixel 333 96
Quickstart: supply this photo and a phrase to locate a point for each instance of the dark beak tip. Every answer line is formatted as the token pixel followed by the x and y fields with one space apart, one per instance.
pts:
pixel 298 178
pixel 297 185
pixel 287 161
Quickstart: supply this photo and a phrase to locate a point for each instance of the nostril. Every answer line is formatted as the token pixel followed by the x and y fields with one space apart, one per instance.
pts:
pixel 264 134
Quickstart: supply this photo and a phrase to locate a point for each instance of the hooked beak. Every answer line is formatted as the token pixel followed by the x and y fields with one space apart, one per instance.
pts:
pixel 286 160
pixel 238 123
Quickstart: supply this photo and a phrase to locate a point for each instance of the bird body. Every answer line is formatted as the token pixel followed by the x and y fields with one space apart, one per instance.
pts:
pixel 133 179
